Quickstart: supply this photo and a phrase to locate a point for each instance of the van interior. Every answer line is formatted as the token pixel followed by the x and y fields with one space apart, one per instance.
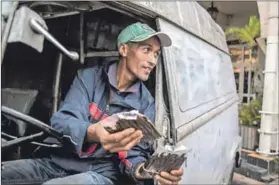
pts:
pixel 29 78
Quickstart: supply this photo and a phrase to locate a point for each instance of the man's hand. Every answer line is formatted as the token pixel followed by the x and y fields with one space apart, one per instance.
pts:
pixel 172 178
pixel 121 141
pixel 164 178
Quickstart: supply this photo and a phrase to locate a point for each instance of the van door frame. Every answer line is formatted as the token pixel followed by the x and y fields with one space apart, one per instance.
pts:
pixel 162 123
pixel 171 89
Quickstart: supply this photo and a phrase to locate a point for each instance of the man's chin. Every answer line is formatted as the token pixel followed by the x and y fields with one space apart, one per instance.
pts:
pixel 143 78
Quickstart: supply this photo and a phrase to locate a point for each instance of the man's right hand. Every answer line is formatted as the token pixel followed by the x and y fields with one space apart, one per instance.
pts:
pixel 120 141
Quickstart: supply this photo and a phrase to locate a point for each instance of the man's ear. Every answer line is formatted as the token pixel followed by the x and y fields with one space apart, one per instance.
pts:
pixel 123 50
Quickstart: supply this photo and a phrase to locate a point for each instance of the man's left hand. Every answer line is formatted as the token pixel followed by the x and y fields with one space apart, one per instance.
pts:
pixel 172 178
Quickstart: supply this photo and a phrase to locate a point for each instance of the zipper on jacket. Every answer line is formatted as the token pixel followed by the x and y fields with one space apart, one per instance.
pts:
pixel 107 109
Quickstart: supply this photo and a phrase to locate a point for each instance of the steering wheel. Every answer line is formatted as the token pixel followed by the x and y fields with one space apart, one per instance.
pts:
pixel 46 130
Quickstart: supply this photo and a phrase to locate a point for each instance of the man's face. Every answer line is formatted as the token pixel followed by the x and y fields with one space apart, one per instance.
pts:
pixel 142 57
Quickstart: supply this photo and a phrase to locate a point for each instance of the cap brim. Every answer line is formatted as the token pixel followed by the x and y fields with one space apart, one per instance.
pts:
pixel 165 40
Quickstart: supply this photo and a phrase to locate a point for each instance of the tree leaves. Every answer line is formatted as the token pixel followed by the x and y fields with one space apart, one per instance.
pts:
pixel 248 33
pixel 249 114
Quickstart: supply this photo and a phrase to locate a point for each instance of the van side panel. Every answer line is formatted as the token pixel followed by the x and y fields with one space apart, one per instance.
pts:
pixel 200 77
pixel 213 148
pixel 203 105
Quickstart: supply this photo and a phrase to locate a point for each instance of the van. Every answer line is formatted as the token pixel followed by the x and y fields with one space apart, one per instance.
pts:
pixel 45 43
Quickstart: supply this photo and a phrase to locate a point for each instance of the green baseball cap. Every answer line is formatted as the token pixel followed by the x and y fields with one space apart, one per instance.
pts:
pixel 138 32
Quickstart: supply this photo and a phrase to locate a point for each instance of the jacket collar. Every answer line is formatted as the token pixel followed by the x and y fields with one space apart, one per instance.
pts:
pixel 134 92
pixel 111 73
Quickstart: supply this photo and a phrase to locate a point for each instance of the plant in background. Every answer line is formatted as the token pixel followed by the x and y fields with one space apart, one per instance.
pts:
pixel 248 33
pixel 276 161
pixel 249 114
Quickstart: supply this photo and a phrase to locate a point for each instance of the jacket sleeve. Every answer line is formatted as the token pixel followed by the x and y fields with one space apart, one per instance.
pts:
pixel 72 119
pixel 138 154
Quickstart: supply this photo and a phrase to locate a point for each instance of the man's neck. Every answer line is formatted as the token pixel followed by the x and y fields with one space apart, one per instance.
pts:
pixel 124 77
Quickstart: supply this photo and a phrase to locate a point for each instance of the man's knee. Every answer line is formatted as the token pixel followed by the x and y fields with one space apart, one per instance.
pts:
pixel 10 169
pixel 16 172
pixel 25 170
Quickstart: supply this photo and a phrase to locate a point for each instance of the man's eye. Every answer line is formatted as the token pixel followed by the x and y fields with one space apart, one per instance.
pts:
pixel 146 50
pixel 156 54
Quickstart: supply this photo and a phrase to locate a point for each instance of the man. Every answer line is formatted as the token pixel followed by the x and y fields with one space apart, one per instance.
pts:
pixel 94 156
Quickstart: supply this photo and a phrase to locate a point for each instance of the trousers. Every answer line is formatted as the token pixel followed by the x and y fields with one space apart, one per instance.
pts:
pixel 44 171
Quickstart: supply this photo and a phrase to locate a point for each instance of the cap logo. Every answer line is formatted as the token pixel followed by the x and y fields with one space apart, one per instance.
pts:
pixel 146 27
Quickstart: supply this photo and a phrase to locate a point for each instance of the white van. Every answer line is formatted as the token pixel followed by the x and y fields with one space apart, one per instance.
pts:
pixel 193 85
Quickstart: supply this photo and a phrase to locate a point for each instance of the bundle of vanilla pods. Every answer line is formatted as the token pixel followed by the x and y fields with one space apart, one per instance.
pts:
pixel 134 119
pixel 164 159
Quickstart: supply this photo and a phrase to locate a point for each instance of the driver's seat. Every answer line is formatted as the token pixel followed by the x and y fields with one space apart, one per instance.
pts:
pixel 20 100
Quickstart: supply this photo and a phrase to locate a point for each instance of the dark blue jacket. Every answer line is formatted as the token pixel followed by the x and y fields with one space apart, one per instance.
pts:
pixel 86 103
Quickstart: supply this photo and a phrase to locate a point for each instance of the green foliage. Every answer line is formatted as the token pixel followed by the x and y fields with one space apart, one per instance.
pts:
pixel 249 114
pixel 276 165
pixel 248 33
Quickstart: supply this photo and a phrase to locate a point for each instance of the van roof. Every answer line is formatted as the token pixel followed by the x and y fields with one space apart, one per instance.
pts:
pixel 190 16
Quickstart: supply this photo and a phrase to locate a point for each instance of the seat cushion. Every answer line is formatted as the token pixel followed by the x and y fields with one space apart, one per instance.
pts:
pixel 20 100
